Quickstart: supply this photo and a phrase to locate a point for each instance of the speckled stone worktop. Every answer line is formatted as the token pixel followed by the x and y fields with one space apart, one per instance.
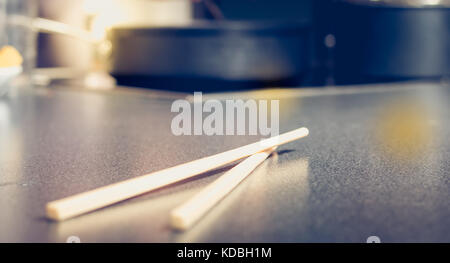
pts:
pixel 376 162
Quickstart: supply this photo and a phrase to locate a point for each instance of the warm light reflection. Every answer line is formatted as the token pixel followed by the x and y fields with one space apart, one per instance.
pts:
pixel 288 107
pixel 403 129
pixel 135 12
pixel 208 222
pixel 275 184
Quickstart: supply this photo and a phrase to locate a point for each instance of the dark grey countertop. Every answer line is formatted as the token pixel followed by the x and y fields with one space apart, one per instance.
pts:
pixel 376 162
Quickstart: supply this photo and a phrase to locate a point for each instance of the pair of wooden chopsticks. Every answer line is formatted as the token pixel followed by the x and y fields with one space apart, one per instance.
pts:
pixel 185 215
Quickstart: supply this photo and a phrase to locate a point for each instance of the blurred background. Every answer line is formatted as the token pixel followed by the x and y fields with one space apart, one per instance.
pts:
pixel 229 44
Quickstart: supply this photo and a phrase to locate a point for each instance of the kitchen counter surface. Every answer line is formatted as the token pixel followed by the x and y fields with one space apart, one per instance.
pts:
pixel 376 163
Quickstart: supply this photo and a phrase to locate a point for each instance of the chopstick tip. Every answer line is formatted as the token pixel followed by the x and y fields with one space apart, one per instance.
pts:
pixel 52 212
pixel 304 130
pixel 178 222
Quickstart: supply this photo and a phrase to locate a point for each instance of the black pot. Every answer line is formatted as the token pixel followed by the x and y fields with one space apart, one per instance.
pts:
pixel 391 40
pixel 211 55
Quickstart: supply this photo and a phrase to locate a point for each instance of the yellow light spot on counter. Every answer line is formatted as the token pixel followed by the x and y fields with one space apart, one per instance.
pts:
pixel 403 130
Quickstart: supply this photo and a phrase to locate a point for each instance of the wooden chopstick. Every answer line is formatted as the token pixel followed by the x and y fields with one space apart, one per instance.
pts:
pixel 91 200
pixel 187 214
